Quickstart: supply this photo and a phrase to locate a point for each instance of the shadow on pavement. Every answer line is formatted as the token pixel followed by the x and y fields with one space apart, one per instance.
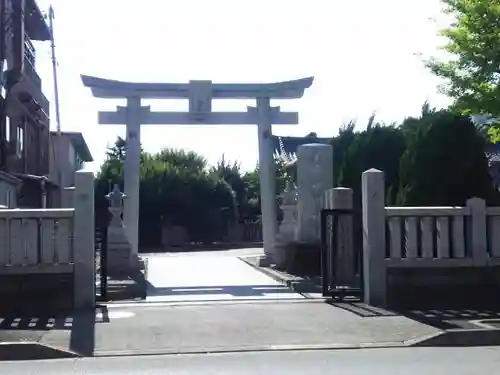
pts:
pixel 25 327
pixel 452 318
pixel 82 339
pixel 233 290
pixel 361 309
pixel 440 318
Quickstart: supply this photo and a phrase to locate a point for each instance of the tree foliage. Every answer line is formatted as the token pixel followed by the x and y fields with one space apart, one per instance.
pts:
pixel 379 147
pixel 175 189
pixel 472 73
pixel 178 188
pixel 437 158
pixel 445 163
pixel 341 144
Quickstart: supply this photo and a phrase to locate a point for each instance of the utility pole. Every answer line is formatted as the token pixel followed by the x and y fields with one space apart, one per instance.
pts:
pixel 54 69
pixel 58 161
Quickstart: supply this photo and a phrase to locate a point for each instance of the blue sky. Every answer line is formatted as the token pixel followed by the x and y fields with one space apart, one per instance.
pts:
pixel 361 52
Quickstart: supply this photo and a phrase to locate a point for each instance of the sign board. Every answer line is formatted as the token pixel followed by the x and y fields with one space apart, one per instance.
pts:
pixel 200 99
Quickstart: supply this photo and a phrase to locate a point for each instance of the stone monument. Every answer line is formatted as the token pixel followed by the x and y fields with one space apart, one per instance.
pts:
pixel 314 177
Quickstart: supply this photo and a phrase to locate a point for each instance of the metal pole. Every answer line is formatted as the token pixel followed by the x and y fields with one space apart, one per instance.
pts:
pixel 54 69
pixel 58 156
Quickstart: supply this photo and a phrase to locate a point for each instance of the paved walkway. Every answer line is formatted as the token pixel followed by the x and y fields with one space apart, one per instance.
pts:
pixel 210 276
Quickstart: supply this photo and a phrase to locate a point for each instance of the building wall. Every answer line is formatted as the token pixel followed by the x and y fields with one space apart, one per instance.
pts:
pixel 7 195
pixel 68 161
pixel 28 108
pixel 60 160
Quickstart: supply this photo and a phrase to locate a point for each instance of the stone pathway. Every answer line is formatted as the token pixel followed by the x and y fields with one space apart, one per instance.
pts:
pixel 208 277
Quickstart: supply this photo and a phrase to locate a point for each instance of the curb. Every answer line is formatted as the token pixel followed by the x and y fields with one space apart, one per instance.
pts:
pixel 290 283
pixel 17 351
pixel 22 351
pixel 249 349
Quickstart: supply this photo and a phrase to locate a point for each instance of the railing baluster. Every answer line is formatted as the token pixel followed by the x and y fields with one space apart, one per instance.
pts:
pixel 427 227
pixel 443 237
pixel 56 243
pixel 4 242
pixel 395 238
pixel 411 237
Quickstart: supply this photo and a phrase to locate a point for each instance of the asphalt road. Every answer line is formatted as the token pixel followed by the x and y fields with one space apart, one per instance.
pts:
pixel 409 361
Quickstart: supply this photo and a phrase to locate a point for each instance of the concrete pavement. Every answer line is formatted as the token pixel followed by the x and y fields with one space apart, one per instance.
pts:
pixel 219 327
pixel 410 361
pixel 209 276
pixel 213 302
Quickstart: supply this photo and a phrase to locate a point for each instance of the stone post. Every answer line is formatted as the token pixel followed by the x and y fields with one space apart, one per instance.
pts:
pixel 84 237
pixel 345 261
pixel 374 218
pixel 314 177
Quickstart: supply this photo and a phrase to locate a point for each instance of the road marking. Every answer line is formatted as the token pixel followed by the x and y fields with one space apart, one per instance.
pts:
pixel 115 315
pixel 207 289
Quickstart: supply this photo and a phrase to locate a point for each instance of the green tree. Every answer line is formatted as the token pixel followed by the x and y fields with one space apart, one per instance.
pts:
pixel 252 187
pixel 231 174
pixel 341 144
pixel 472 73
pixel 188 160
pixel 378 146
pixel 117 151
pixel 175 188
pixel 444 163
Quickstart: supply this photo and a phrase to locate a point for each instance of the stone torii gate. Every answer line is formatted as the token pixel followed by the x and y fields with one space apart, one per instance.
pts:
pixel 200 95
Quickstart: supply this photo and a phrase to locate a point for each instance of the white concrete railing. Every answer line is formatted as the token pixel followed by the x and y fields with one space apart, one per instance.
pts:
pixel 32 237
pixel 34 241
pixel 437 236
pixel 466 236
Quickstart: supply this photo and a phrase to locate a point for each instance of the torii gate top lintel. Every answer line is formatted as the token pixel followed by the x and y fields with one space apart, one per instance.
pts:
pixel 111 89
